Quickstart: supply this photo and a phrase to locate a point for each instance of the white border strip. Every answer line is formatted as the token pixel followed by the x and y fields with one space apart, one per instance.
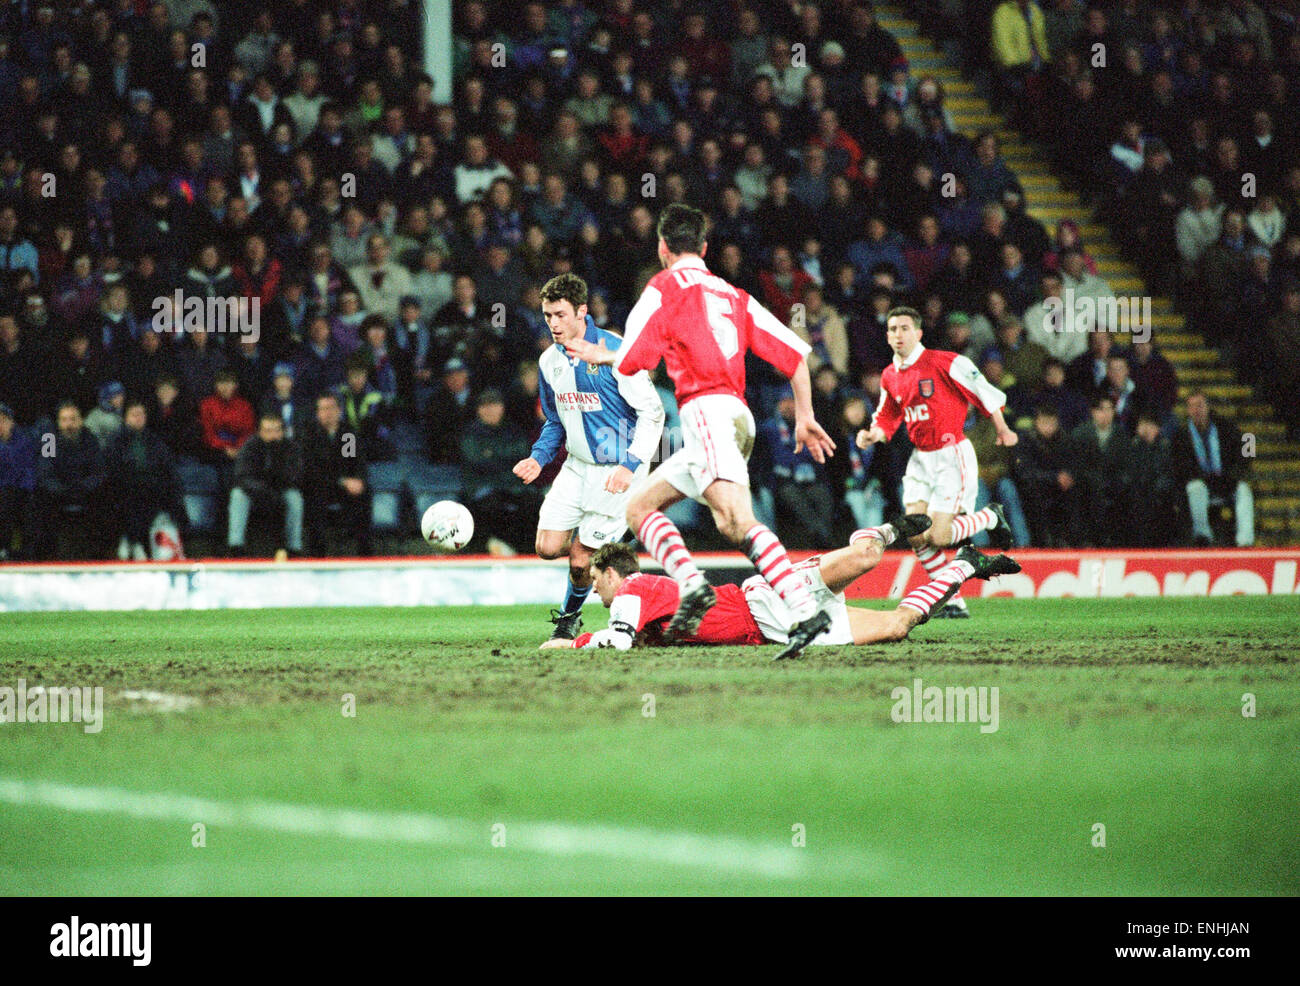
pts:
pixel 723 853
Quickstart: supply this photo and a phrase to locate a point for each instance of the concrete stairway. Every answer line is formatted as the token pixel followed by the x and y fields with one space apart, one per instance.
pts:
pixel 1276 470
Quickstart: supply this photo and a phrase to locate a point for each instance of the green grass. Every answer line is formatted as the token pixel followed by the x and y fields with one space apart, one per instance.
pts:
pixel 1125 713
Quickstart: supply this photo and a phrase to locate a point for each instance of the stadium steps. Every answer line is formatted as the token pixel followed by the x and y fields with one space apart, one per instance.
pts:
pixel 1276 470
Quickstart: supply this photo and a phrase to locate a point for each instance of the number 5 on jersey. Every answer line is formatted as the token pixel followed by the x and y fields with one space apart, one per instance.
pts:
pixel 722 324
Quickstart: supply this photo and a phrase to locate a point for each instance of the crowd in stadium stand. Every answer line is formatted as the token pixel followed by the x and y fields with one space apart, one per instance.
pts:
pixel 394 239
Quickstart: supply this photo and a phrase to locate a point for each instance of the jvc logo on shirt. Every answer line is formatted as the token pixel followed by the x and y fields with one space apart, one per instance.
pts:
pixel 577 400
pixel 917 412
pixel 77 940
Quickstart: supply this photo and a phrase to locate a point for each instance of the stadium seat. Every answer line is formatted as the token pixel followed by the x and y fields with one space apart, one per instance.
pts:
pixel 431 483
pixel 200 492
pixel 387 484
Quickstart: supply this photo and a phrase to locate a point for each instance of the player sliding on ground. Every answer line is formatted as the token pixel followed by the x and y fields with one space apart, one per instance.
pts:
pixel 701 327
pixel 931 390
pixel 610 426
pixel 640 604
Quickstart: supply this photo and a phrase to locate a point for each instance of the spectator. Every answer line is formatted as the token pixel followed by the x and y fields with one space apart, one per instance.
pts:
pixel 1198 225
pixel 1020 50
pixel 284 402
pixel 226 419
pixel 798 483
pixel 1045 472
pixel 380 282
pixel 477 171
pixel 1087 373
pixel 823 328
pixel 1118 385
pixel 1103 466
pixel 1151 509
pixel 364 409
pixel 995 484
pixel 16 252
pixel 175 418
pixel 105 419
pixel 318 363
pixel 1155 379
pixel 79 372
pixel 17 481
pixel 1023 359
pixel 198 360
pixel 783 284
pixel 268 477
pixel 1209 465
pixel 334 479
pixel 450 411
pixel 850 473
pixel 489 448
pixel 1283 378
pixel 142 482
pixel 69 484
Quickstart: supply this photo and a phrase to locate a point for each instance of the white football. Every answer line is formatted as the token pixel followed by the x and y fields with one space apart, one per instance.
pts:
pixel 447 525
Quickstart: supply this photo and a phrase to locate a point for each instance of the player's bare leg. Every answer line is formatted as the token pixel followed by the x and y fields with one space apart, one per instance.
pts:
pixel 841 568
pixel 878 627
pixel 664 541
pixel 556 544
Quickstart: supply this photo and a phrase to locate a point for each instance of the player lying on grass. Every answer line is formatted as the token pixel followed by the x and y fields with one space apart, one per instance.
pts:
pixel 931 391
pixel 640 605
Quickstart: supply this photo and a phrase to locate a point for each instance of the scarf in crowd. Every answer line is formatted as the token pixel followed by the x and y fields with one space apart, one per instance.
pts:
pixel 1207 449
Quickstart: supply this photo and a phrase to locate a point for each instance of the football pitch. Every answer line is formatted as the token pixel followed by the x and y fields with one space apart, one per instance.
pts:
pixel 1121 762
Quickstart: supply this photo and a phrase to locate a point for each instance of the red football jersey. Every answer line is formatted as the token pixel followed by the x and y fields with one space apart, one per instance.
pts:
pixel 647 602
pixel 701 326
pixel 931 391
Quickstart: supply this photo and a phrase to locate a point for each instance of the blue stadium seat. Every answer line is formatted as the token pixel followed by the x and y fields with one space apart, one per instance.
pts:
pixel 200 493
pixel 430 483
pixel 387 482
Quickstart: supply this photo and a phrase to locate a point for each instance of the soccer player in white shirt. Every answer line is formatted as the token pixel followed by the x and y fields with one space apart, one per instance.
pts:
pixel 609 424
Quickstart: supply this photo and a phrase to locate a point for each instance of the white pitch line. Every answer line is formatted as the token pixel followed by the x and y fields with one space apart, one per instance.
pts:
pixel 553 838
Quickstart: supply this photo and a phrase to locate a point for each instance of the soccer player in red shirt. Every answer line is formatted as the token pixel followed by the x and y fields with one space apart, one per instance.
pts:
pixel 931 390
pixel 753 614
pixel 701 327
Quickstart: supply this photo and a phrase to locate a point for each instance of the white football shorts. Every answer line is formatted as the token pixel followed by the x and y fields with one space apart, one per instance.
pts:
pixel 578 501
pixel 775 618
pixel 717 437
pixel 946 479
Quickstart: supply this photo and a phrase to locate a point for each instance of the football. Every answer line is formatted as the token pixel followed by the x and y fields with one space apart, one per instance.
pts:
pixel 447 525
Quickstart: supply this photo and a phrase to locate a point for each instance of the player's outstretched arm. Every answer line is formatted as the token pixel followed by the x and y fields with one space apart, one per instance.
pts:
pixel 1006 435
pixel 527 470
pixel 869 436
pixel 806 429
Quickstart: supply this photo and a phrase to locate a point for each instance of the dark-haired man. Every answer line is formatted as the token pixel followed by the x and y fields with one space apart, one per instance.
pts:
pixel 268 475
pixel 932 391
pixel 608 423
pixel 753 614
pixel 702 327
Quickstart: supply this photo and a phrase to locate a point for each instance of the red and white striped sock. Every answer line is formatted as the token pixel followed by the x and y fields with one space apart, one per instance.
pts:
pixel 770 558
pixel 885 534
pixel 932 559
pixel 942 587
pixel 662 539
pixel 967 525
